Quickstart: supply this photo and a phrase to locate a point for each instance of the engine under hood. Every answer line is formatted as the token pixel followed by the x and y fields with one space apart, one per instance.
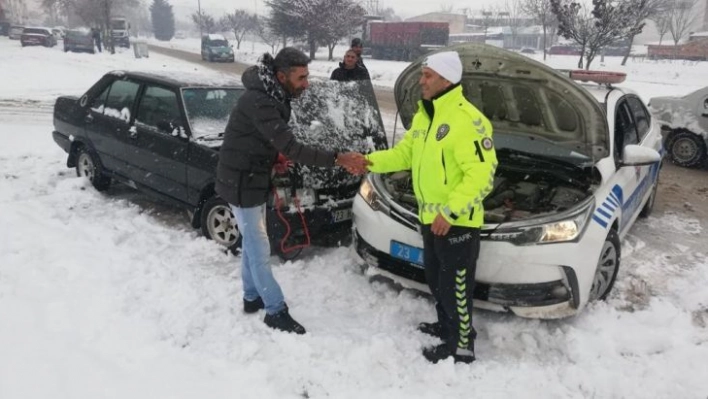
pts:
pixel 520 97
pixel 525 187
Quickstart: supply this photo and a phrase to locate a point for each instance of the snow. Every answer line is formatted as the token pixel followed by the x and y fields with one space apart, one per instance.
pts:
pixel 113 295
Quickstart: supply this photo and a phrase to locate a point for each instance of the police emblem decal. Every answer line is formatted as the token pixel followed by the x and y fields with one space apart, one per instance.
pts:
pixel 487 143
pixel 442 131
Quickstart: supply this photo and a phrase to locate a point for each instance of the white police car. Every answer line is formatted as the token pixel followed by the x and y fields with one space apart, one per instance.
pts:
pixel 578 163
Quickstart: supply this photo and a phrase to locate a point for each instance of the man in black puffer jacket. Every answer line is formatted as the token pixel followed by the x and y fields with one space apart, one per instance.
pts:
pixel 349 69
pixel 257 131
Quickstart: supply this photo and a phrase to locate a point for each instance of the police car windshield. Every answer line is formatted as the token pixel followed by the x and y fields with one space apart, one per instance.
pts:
pixel 218 43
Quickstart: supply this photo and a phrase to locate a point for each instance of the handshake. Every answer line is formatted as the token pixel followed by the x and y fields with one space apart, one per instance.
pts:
pixel 354 162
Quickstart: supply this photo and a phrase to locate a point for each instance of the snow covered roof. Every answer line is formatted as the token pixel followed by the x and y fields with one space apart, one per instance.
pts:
pixel 185 79
pixel 216 36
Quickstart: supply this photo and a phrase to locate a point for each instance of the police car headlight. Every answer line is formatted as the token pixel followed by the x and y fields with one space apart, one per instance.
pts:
pixel 569 228
pixel 368 193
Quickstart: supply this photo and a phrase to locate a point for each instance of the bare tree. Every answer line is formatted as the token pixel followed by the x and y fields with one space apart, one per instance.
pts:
pixel 204 22
pixel 266 34
pixel 541 11
pixel 239 22
pixel 662 23
pixel 322 22
pixel 446 8
pixel 683 16
pixel 641 11
pixel 389 14
pixel 607 23
pixel 513 11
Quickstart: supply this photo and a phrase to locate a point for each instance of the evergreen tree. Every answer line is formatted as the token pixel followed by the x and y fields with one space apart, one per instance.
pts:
pixel 163 20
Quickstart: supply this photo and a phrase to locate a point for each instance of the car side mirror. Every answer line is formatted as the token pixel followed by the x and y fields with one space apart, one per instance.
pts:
pixel 636 155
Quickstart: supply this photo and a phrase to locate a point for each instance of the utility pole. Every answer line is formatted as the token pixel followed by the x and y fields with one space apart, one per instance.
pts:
pixel 199 10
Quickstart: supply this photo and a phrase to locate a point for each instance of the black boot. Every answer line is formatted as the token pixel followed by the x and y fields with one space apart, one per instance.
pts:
pixel 433 329
pixel 284 322
pixel 436 353
pixel 253 306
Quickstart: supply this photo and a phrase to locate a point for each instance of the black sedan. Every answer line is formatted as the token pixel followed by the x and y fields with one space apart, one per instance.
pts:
pixel 161 134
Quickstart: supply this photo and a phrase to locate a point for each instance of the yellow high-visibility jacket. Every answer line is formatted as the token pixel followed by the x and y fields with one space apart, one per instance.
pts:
pixel 451 157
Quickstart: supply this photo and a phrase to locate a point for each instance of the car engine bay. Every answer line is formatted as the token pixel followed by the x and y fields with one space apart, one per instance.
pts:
pixel 518 193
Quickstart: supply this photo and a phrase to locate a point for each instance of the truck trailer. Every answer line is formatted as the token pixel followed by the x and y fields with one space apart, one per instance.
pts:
pixel 406 41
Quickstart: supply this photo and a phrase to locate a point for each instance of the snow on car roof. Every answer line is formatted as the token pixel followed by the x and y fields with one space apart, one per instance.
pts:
pixel 216 36
pixel 183 79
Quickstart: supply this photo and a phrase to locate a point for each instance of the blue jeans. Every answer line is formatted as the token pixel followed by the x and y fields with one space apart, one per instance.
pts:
pixel 256 274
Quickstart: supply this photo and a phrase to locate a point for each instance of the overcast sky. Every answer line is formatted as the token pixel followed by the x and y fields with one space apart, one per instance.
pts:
pixel 404 8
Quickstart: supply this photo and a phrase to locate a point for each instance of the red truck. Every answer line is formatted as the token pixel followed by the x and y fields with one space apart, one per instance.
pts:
pixel 406 41
pixel 696 50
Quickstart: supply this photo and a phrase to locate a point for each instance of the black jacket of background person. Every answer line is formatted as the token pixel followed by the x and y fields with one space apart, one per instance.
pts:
pixel 257 130
pixel 347 75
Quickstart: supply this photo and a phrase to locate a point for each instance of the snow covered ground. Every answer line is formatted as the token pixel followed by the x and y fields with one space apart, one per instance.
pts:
pixel 113 295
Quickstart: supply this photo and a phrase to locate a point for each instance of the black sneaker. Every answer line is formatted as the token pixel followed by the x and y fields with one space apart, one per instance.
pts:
pixel 440 352
pixel 433 329
pixel 284 322
pixel 253 306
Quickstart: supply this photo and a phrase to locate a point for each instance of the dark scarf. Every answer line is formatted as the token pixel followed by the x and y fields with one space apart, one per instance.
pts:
pixel 266 73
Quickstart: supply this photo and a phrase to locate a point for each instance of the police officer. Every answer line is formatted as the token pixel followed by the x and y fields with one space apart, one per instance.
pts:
pixel 450 152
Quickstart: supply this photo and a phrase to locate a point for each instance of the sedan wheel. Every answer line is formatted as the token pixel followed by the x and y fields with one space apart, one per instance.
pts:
pixel 219 224
pixel 90 167
pixel 686 148
pixel 607 268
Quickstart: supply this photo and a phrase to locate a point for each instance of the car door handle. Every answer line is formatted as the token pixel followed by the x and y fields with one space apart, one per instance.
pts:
pixel 88 118
pixel 704 114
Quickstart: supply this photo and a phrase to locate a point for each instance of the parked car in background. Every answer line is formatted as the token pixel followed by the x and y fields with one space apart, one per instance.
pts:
pixel 59 32
pixel 38 37
pixel 79 40
pixel 215 47
pixel 684 123
pixel 4 28
pixel 564 49
pixel 527 50
pixel 578 163
pixel 161 133
pixel 16 32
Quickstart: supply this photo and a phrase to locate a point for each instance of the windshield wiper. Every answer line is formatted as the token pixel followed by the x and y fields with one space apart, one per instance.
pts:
pixel 211 137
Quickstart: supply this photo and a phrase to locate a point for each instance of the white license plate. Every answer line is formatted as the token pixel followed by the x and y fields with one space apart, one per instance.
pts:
pixel 341 215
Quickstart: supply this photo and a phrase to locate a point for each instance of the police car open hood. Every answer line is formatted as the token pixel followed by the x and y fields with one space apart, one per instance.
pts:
pixel 536 108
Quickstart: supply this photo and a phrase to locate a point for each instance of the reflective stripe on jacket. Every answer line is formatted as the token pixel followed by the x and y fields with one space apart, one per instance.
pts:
pixel 452 160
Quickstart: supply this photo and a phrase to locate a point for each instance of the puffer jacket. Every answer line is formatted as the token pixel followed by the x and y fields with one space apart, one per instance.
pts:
pixel 257 131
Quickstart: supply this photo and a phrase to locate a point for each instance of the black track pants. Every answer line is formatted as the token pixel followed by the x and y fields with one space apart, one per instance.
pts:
pixel 450 265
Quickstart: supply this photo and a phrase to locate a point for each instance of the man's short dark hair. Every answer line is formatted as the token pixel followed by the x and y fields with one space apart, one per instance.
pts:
pixel 289 57
pixel 356 42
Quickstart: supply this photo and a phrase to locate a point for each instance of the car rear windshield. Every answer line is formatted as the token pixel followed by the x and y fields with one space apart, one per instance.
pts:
pixel 218 43
pixel 77 33
pixel 36 31
pixel 208 109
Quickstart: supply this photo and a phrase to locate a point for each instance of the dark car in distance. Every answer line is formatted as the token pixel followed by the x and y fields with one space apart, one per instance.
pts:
pixel 38 37
pixel 160 133
pixel 77 40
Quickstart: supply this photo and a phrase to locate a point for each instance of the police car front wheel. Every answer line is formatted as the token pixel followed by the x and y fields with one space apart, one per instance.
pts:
pixel 607 268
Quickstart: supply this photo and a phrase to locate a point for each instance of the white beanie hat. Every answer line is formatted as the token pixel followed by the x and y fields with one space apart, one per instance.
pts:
pixel 447 64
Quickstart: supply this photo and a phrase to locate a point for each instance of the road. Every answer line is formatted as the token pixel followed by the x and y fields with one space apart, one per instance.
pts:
pixel 383 96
